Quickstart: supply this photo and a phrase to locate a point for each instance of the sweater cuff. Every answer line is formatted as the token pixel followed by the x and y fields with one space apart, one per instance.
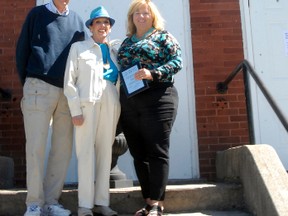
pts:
pixel 156 75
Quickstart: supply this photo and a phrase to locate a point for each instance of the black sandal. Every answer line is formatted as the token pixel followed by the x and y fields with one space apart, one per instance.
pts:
pixel 144 211
pixel 156 210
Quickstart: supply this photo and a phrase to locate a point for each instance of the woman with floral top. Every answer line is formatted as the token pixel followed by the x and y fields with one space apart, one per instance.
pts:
pixel 148 116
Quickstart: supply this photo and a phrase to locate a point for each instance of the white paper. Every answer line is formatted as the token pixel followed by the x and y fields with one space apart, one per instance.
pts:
pixel 131 83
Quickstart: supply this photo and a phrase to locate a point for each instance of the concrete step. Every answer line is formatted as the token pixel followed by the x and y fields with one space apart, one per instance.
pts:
pixel 190 199
pixel 203 213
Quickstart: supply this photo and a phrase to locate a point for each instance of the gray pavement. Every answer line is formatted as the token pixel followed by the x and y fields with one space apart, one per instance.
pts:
pixel 211 213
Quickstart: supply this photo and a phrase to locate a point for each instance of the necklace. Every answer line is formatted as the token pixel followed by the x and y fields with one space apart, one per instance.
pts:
pixel 106 65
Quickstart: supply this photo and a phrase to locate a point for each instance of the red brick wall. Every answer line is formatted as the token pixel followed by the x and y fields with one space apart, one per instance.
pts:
pixel 12 139
pixel 217 49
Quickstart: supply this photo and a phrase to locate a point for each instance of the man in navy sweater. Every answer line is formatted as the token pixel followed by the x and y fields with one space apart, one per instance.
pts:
pixel 41 54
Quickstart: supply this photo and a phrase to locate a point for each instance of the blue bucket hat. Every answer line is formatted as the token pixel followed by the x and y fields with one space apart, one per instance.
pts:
pixel 98 13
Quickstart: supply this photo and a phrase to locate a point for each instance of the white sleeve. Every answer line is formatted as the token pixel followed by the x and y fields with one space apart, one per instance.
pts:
pixel 70 79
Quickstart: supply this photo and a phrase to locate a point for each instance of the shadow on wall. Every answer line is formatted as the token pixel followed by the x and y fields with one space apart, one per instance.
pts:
pixel 5 94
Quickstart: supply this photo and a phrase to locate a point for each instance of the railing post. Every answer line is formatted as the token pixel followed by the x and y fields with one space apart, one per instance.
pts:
pixel 248 105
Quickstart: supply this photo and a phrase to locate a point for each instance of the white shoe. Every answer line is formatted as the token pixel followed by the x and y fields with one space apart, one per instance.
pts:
pixel 84 212
pixel 56 210
pixel 104 210
pixel 33 210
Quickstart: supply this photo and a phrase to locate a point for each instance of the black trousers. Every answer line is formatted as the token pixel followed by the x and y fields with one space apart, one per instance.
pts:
pixel 147 119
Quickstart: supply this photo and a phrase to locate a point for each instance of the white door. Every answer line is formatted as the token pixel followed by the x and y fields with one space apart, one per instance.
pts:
pixel 184 147
pixel 265 25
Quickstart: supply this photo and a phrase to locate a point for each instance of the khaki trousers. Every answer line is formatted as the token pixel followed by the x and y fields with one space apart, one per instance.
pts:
pixel 42 102
pixel 93 141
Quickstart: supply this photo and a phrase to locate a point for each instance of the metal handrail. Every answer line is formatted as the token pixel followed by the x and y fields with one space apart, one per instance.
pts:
pixel 245 66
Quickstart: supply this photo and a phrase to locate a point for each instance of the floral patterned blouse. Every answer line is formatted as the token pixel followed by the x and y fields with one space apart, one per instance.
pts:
pixel 159 52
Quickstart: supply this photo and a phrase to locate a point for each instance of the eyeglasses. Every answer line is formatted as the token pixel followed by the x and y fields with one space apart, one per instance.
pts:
pixel 145 14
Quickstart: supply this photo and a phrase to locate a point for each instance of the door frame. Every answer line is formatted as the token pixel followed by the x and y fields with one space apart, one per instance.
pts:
pixel 248 55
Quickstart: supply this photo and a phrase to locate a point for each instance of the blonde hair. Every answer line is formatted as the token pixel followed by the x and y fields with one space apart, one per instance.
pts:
pixel 158 21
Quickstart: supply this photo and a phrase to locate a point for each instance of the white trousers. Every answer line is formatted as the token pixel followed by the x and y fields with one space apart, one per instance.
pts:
pixel 42 102
pixel 93 141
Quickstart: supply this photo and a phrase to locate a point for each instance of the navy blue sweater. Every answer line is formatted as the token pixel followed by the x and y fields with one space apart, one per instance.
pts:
pixel 44 43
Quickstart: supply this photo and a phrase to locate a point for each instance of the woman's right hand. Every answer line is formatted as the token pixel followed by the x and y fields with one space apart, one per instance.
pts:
pixel 143 73
pixel 78 120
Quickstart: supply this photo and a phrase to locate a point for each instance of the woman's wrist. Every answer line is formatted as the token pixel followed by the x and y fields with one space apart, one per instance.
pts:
pixel 156 75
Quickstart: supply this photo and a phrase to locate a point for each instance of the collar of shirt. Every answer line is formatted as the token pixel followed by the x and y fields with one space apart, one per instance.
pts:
pixel 91 42
pixel 51 7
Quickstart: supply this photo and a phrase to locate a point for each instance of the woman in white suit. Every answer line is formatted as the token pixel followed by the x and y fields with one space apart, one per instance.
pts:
pixel 90 87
